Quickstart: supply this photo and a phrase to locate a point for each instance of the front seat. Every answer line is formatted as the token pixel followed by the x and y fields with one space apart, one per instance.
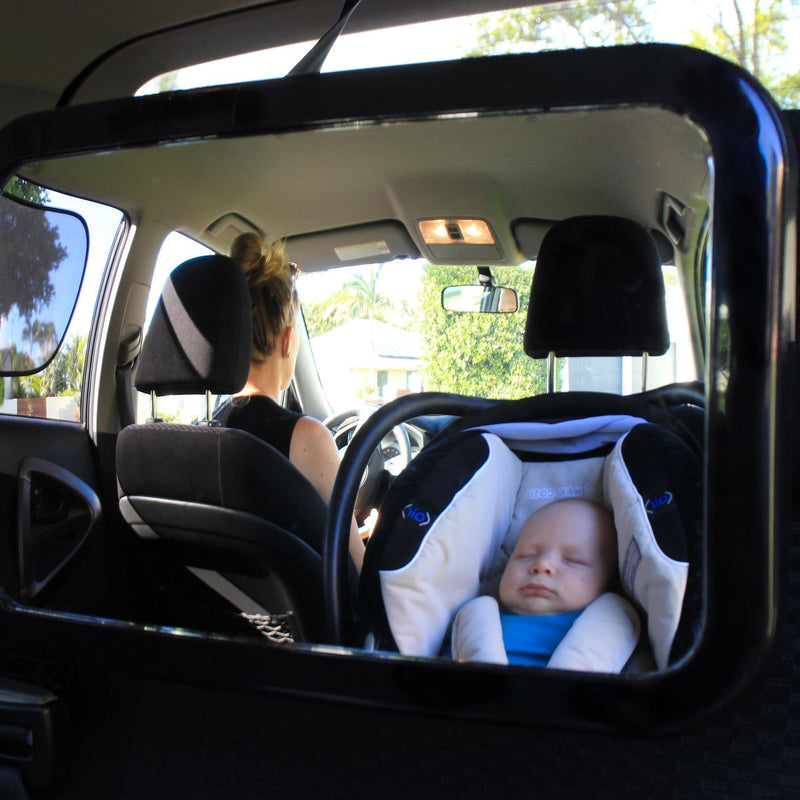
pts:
pixel 215 501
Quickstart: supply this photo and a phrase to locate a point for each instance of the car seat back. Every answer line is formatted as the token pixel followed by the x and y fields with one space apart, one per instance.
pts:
pixel 218 501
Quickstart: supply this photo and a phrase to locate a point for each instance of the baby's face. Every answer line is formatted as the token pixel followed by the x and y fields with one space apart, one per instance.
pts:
pixel 565 557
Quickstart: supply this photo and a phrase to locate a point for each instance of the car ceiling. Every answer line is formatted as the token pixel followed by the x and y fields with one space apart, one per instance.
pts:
pixel 64 52
pixel 591 162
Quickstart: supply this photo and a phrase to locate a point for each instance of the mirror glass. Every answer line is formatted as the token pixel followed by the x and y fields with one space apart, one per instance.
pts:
pixel 382 326
pixel 43 255
pixel 480 299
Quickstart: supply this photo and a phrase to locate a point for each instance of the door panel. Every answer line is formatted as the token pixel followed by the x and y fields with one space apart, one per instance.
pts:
pixel 49 505
pixel 56 514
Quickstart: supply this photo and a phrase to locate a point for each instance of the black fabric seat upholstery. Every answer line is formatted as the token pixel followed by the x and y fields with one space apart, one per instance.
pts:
pixel 212 498
pixel 597 290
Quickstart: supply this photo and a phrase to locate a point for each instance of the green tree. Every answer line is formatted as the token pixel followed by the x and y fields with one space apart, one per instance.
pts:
pixel 322 316
pixel 476 354
pixel 360 297
pixel 63 376
pixel 560 25
pixel 25 190
pixel 30 250
pixel 42 335
pixel 753 35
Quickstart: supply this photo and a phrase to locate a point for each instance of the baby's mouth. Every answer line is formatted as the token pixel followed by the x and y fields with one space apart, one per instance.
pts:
pixel 536 590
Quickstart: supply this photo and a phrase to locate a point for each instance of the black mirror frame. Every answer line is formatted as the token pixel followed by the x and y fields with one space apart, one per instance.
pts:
pixel 748 423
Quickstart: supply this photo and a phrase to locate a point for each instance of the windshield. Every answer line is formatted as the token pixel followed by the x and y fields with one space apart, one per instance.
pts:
pixel 380 331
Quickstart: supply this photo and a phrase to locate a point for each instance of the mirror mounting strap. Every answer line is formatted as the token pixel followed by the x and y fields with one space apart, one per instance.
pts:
pixel 311 63
pixel 485 277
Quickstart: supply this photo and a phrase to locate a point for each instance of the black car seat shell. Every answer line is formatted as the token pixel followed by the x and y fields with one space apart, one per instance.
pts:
pixel 452 520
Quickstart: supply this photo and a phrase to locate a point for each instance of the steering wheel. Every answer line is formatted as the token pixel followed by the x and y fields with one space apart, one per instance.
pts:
pixel 343 426
pixel 346 488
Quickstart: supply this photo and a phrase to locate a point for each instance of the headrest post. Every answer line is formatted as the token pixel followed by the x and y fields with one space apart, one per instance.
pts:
pixel 153 406
pixel 208 406
pixel 645 358
pixel 551 372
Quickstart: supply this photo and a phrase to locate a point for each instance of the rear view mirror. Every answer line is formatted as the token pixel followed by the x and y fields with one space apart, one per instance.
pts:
pixel 480 299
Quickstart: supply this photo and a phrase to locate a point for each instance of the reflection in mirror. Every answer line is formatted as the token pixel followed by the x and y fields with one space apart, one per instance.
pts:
pixel 43 255
pixel 389 335
pixel 480 299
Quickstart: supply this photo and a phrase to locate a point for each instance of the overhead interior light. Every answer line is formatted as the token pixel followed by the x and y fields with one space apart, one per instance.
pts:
pixel 455 231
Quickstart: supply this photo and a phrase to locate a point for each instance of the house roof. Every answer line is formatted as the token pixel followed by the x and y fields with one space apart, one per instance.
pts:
pixel 366 344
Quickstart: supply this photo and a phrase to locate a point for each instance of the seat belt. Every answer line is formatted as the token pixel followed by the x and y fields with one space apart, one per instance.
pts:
pixel 127 353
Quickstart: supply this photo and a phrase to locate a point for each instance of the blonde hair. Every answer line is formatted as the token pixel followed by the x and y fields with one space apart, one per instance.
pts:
pixel 273 299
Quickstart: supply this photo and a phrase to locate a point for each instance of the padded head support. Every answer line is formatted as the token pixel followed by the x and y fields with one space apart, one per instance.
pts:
pixel 597 290
pixel 201 335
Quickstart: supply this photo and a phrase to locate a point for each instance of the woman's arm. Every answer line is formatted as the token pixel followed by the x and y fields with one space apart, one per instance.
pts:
pixel 314 453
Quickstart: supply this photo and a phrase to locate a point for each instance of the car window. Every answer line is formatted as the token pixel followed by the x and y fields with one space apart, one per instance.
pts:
pixel 380 331
pixel 53 249
pixel 760 39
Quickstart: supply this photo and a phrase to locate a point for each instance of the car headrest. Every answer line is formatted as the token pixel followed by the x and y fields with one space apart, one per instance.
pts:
pixel 597 290
pixel 201 334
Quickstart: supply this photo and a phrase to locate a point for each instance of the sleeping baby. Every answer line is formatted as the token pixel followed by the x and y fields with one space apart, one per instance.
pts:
pixel 565 559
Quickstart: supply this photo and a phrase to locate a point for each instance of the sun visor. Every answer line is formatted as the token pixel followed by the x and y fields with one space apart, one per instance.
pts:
pixel 372 243
pixel 528 233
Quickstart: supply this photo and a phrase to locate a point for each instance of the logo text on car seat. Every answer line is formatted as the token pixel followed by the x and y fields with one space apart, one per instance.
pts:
pixel 659 501
pixel 416 514
pixel 554 492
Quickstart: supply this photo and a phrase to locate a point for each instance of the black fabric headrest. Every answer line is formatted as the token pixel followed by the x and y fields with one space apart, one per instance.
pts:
pixel 201 334
pixel 597 290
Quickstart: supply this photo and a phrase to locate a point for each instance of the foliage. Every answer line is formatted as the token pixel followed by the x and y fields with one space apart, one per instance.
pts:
pixel 322 316
pixel 476 354
pixel 559 25
pixel 359 298
pixel 751 33
pixel 25 190
pixel 755 39
pixel 60 378
pixel 30 250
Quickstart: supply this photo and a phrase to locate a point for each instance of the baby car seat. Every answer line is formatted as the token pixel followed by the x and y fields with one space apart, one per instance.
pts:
pixel 453 517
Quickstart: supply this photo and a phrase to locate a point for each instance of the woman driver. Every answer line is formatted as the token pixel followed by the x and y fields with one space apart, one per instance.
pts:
pixel 305 441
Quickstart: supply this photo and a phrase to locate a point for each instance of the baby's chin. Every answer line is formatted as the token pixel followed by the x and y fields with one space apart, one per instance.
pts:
pixel 535 605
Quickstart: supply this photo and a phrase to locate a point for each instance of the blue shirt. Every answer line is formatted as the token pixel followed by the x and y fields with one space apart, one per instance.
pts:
pixel 530 639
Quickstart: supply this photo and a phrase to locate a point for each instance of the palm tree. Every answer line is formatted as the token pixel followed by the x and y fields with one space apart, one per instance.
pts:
pixel 39 333
pixel 359 298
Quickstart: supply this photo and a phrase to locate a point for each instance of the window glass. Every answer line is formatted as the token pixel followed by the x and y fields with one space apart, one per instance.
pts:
pixel 53 249
pixel 380 331
pixel 760 37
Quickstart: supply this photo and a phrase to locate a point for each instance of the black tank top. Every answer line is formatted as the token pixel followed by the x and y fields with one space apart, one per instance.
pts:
pixel 262 417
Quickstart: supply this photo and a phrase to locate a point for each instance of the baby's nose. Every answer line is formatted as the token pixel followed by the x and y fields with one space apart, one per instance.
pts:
pixel 541 566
